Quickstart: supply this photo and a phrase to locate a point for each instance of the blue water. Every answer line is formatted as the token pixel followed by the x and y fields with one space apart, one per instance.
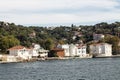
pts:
pixel 74 69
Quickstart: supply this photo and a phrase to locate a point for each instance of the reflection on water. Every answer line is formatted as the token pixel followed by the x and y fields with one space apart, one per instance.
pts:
pixel 74 69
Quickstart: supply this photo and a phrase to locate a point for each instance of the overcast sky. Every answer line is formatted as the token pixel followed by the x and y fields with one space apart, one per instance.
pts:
pixel 59 12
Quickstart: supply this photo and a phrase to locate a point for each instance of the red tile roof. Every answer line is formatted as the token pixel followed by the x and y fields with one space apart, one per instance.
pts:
pixel 17 47
pixel 57 49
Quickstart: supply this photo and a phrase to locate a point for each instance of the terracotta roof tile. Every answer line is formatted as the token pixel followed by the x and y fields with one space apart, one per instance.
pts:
pixel 17 47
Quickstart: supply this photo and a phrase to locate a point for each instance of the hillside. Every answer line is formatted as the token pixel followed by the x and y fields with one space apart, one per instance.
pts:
pixel 48 37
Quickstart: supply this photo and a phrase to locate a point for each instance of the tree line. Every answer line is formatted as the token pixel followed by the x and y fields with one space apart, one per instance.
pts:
pixel 48 37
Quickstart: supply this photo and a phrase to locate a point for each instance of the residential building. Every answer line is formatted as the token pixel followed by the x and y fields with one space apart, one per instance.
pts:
pixel 81 50
pixel 72 50
pixel 38 51
pixel 66 49
pixel 101 49
pixel 20 51
pixel 34 50
pixel 43 53
pixel 57 52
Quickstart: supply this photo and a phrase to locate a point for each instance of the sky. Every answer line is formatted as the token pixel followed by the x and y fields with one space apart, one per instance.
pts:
pixel 59 12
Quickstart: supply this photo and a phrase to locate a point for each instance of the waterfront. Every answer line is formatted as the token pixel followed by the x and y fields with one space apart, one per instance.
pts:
pixel 73 69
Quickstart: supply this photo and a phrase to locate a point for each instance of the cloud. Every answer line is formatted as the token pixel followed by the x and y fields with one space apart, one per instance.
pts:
pixel 59 11
pixel 42 5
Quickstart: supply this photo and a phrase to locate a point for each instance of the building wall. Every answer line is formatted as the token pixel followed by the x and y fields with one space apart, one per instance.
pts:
pixel 23 53
pixel 81 51
pixel 43 54
pixel 60 54
pixel 34 52
pixel 13 52
pixel 72 50
pixel 66 49
pixel 101 49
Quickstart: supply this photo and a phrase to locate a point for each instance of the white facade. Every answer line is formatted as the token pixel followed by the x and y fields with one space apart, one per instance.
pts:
pixel 81 51
pixel 20 51
pixel 25 53
pixel 102 49
pixel 74 50
pixel 38 51
pixel 66 49
pixel 43 53
pixel 35 50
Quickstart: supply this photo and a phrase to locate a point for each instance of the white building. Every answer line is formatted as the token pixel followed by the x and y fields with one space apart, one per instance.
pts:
pixel 20 51
pixel 101 49
pixel 74 50
pixel 35 50
pixel 38 51
pixel 81 51
pixel 66 49
pixel 43 53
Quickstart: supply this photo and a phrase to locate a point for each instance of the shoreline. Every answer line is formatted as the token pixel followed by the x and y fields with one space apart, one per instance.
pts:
pixel 57 58
pixel 113 56
pixel 43 59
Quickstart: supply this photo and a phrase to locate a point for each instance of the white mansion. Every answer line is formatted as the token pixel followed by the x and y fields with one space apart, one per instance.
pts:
pixel 101 49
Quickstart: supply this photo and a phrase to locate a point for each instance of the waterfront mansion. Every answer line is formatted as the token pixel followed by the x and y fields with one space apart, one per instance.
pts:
pixel 72 50
pixel 101 49
pixel 28 53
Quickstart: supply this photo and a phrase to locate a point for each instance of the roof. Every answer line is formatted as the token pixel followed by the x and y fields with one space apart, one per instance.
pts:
pixel 57 49
pixel 81 46
pixel 100 44
pixel 17 47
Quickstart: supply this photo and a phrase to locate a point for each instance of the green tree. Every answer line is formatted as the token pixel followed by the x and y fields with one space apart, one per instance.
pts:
pixel 7 42
pixel 49 44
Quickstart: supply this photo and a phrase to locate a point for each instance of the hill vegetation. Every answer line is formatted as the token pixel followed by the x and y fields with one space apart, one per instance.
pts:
pixel 48 37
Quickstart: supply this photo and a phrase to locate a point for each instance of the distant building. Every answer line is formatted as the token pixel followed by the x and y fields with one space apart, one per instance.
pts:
pixel 51 28
pixel 20 51
pixel 98 37
pixel 56 53
pixel 34 51
pixel 32 35
pixel 38 51
pixel 72 50
pixel 101 49
pixel 43 52
pixel 66 49
pixel 81 50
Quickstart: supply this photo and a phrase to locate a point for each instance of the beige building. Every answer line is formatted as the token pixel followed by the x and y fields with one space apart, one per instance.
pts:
pixel 101 49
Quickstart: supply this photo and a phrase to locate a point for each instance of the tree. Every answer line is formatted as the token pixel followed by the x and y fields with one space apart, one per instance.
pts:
pixel 7 42
pixel 49 44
